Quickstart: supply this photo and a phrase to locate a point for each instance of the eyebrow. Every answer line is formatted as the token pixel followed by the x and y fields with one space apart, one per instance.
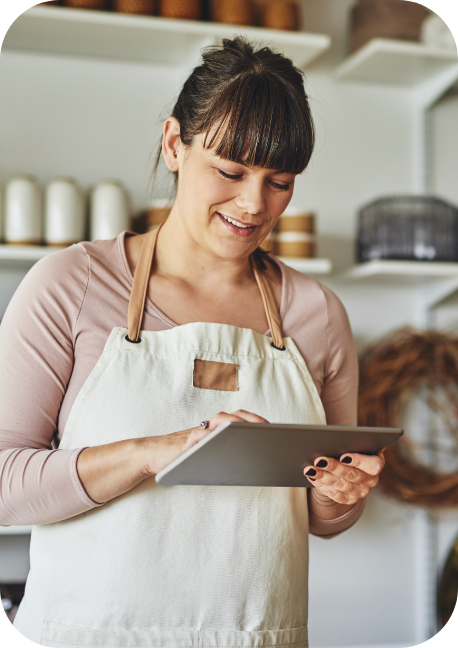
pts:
pixel 249 166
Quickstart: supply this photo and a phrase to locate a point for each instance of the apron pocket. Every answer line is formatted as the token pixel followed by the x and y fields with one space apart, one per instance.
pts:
pixel 59 635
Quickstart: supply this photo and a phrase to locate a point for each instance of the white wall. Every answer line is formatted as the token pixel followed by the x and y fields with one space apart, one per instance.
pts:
pixel 99 119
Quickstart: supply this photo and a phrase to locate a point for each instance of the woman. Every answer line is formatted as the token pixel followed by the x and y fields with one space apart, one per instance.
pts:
pixel 117 560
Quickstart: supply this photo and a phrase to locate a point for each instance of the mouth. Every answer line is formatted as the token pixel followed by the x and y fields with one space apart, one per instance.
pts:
pixel 237 227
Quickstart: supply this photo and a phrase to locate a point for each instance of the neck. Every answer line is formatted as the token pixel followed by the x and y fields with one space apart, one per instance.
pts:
pixel 180 255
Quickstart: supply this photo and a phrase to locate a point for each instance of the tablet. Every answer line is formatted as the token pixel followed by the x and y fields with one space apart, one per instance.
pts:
pixel 259 454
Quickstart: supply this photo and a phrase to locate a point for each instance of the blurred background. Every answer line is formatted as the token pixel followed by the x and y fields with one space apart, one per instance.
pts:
pixel 84 87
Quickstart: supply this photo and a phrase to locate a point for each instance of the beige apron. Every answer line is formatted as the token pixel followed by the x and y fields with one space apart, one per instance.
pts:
pixel 184 566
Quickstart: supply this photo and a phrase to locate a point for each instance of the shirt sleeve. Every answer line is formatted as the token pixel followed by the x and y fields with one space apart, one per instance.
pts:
pixel 39 484
pixel 339 396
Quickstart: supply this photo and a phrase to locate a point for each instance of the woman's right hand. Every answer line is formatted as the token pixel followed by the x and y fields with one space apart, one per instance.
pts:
pixel 110 470
pixel 166 448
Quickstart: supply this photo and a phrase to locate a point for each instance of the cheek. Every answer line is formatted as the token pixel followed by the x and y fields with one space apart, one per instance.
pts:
pixel 205 190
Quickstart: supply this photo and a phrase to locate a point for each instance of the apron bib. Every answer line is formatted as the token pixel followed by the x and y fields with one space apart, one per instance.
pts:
pixel 183 566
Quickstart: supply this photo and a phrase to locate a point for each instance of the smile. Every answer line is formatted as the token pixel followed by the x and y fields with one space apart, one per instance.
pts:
pixel 236 223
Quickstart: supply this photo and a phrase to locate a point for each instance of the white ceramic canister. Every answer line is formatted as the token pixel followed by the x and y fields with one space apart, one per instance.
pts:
pixel 64 213
pixel 109 209
pixel 23 211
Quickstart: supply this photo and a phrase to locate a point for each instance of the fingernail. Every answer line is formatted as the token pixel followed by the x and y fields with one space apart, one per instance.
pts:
pixel 311 472
pixel 347 460
pixel 312 480
pixel 322 463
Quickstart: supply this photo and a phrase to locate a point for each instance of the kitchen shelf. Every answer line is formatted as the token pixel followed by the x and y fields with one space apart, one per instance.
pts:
pixel 28 253
pixel 397 63
pixel 402 271
pixel 142 39
pixel 15 530
pixel 434 280
pixel 308 266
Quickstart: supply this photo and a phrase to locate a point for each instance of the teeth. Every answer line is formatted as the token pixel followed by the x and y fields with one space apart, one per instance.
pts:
pixel 230 220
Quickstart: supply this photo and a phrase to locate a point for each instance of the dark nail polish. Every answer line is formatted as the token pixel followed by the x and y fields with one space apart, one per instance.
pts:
pixel 347 460
pixel 311 472
pixel 322 463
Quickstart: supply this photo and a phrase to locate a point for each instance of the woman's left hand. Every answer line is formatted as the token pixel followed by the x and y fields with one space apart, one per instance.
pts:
pixel 348 480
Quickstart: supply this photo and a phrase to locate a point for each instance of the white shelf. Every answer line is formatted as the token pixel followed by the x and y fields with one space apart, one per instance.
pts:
pixel 402 271
pixel 15 530
pixel 25 253
pixel 144 39
pixel 433 281
pixel 309 266
pixel 29 254
pixel 394 62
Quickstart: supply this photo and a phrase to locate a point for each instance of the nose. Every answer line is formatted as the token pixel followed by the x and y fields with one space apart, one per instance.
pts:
pixel 251 197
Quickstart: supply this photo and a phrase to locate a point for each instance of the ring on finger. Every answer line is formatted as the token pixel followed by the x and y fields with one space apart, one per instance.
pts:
pixel 205 424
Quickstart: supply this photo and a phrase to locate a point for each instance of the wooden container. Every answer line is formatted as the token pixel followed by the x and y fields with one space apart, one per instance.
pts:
pixel 294 234
pixel 295 244
pixel 280 14
pixel 296 222
pixel 140 7
pixel 184 9
pixel 232 12
pixel 51 3
pixel 395 19
pixel 99 5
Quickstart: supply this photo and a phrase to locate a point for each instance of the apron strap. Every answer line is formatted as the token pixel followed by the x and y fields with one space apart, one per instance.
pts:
pixel 140 286
pixel 270 307
pixel 140 289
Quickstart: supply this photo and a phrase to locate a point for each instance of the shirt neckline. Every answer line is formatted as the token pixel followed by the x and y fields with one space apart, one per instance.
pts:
pixel 150 305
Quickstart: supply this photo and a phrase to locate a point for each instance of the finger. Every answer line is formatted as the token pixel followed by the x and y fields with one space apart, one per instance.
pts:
pixel 350 473
pixel 240 416
pixel 250 417
pixel 222 417
pixel 381 451
pixel 338 496
pixel 370 464
pixel 323 478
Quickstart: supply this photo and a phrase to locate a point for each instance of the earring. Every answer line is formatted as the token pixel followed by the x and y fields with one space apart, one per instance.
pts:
pixel 176 153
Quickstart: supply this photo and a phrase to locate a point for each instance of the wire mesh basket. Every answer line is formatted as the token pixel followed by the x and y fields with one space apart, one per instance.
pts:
pixel 416 228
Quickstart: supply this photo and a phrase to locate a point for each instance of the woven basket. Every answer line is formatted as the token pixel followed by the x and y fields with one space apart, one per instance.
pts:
pixel 395 19
pixel 233 12
pixel 100 5
pixel 141 7
pixel 280 14
pixel 184 9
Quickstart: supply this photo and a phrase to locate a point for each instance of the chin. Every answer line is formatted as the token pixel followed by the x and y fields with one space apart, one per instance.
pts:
pixel 233 250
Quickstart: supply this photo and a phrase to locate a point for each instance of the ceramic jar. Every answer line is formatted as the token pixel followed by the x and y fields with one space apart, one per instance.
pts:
pixel 109 210
pixel 23 212
pixel 64 213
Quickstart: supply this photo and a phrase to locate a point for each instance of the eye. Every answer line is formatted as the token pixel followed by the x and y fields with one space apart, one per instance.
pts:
pixel 282 187
pixel 228 175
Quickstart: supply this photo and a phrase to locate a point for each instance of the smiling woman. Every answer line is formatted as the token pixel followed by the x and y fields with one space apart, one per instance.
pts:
pixel 129 352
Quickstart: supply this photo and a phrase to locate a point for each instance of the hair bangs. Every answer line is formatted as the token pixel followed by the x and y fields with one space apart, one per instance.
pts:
pixel 257 121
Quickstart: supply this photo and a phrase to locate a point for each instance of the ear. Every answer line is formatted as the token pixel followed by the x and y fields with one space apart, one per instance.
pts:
pixel 171 143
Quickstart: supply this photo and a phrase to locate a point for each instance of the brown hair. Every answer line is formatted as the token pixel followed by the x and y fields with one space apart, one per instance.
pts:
pixel 253 102
pixel 250 104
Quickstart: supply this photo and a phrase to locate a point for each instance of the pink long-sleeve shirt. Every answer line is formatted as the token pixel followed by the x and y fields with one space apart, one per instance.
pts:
pixel 52 336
